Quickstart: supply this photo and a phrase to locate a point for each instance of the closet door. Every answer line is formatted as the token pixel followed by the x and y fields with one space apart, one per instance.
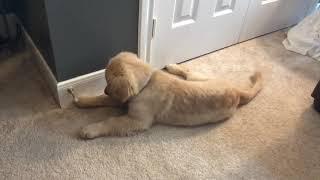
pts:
pixel 185 29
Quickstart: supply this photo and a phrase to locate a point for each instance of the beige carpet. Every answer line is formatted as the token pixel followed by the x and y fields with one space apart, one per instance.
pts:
pixel 276 136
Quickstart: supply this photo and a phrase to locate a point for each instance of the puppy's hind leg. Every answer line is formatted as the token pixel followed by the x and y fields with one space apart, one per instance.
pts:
pixel 93 101
pixel 185 73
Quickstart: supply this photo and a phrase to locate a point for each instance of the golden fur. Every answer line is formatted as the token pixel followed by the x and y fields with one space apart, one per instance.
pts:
pixel 174 97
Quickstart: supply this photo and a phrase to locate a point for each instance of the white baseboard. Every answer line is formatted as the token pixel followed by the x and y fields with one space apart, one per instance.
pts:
pixel 87 85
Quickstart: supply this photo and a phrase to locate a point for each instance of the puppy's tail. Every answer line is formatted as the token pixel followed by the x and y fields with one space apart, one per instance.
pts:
pixel 247 95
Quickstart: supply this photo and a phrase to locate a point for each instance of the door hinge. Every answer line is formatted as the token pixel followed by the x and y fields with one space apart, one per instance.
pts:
pixel 154 21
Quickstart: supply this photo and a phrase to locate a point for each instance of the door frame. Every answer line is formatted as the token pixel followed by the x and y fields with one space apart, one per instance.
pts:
pixel 145 29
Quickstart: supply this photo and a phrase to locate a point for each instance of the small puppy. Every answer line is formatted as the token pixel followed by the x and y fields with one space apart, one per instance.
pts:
pixel 174 97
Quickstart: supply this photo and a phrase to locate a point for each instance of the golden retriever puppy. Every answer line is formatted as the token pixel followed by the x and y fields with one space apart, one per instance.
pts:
pixel 174 97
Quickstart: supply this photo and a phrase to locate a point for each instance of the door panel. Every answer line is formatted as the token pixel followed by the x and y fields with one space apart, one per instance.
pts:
pixel 265 16
pixel 224 7
pixel 186 29
pixel 185 12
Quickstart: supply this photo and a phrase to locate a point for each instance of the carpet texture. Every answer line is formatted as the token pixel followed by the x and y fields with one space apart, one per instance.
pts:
pixel 276 136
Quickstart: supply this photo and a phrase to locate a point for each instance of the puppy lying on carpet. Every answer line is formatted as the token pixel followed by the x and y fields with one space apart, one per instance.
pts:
pixel 174 97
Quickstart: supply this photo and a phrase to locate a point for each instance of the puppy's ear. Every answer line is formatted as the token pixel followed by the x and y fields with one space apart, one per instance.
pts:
pixel 141 74
pixel 121 89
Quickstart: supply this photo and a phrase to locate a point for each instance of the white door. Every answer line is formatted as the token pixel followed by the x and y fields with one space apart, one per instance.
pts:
pixel 265 16
pixel 185 29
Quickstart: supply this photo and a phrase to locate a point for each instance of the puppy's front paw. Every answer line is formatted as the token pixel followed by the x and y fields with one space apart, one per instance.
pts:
pixel 90 132
pixel 74 97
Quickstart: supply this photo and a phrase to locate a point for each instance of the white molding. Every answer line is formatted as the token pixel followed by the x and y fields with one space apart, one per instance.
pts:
pixel 88 84
pixel 145 28
pixel 82 79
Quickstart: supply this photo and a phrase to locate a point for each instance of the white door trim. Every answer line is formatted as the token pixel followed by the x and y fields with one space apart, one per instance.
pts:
pixel 145 29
